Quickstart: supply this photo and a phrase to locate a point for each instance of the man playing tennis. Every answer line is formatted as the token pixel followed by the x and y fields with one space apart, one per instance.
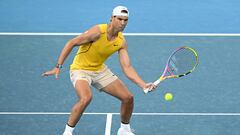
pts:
pixel 88 68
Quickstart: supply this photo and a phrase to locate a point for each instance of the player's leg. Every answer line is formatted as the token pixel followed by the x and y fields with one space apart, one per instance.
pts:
pixel 120 91
pixel 84 93
pixel 108 82
pixel 81 83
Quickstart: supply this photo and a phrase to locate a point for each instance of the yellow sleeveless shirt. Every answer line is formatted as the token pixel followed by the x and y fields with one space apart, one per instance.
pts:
pixel 91 56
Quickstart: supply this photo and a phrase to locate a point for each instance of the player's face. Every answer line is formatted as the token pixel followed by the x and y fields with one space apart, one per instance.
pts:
pixel 119 22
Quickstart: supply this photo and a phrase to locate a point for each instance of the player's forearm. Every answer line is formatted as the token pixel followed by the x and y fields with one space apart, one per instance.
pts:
pixel 65 52
pixel 133 76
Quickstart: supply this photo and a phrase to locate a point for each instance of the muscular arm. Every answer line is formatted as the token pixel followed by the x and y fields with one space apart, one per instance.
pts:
pixel 128 69
pixel 89 36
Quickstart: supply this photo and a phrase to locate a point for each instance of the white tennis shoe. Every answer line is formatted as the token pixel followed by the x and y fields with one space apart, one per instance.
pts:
pixel 122 131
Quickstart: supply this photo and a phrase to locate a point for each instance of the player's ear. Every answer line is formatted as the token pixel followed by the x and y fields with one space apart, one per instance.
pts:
pixel 112 18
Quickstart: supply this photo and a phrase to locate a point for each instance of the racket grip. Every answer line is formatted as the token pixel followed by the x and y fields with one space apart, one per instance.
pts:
pixel 146 91
pixel 155 83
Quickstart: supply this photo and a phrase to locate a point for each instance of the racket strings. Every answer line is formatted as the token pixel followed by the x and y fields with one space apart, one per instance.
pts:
pixel 182 61
pixel 170 71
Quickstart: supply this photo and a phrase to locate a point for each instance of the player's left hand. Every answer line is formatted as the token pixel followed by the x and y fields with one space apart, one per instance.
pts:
pixel 54 71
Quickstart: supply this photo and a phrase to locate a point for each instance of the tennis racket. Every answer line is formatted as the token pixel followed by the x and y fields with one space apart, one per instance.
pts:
pixel 181 62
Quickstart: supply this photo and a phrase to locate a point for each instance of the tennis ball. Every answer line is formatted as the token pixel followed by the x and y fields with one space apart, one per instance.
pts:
pixel 168 96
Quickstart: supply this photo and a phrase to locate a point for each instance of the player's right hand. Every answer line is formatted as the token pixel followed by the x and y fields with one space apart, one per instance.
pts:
pixel 149 87
pixel 54 71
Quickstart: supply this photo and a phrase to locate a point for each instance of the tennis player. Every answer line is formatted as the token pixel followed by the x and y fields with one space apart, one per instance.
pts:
pixel 88 68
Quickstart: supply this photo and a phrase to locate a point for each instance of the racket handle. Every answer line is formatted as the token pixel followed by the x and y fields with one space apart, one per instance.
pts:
pixel 155 83
pixel 146 91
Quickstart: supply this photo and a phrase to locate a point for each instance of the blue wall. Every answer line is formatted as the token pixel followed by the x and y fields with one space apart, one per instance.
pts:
pixel 174 16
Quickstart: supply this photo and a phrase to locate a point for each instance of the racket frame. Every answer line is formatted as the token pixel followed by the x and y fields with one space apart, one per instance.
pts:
pixel 163 77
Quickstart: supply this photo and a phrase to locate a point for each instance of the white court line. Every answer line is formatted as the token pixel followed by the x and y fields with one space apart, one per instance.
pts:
pixel 127 34
pixel 108 124
pixel 109 115
pixel 143 114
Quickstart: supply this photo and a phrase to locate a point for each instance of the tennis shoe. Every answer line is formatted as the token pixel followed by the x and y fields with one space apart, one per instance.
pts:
pixel 67 133
pixel 122 131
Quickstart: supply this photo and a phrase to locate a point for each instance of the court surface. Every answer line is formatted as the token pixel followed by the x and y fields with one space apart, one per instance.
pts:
pixel 205 102
pixel 32 34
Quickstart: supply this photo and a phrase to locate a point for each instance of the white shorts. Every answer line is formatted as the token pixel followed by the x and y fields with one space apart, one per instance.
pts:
pixel 98 79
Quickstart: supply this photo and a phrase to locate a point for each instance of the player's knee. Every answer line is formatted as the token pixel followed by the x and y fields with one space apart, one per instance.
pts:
pixel 128 98
pixel 85 100
pixel 81 104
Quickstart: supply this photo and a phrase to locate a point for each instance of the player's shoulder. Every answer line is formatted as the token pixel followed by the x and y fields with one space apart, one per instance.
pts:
pixel 122 40
pixel 92 33
pixel 96 29
pixel 102 27
pixel 121 36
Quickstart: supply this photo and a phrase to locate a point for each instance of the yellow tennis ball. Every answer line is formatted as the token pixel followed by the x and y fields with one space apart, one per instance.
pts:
pixel 168 96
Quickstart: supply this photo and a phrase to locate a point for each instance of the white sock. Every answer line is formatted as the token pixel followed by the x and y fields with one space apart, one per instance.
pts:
pixel 69 129
pixel 125 126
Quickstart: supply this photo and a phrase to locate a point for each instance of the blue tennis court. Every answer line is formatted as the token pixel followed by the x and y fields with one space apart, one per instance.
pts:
pixel 205 102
